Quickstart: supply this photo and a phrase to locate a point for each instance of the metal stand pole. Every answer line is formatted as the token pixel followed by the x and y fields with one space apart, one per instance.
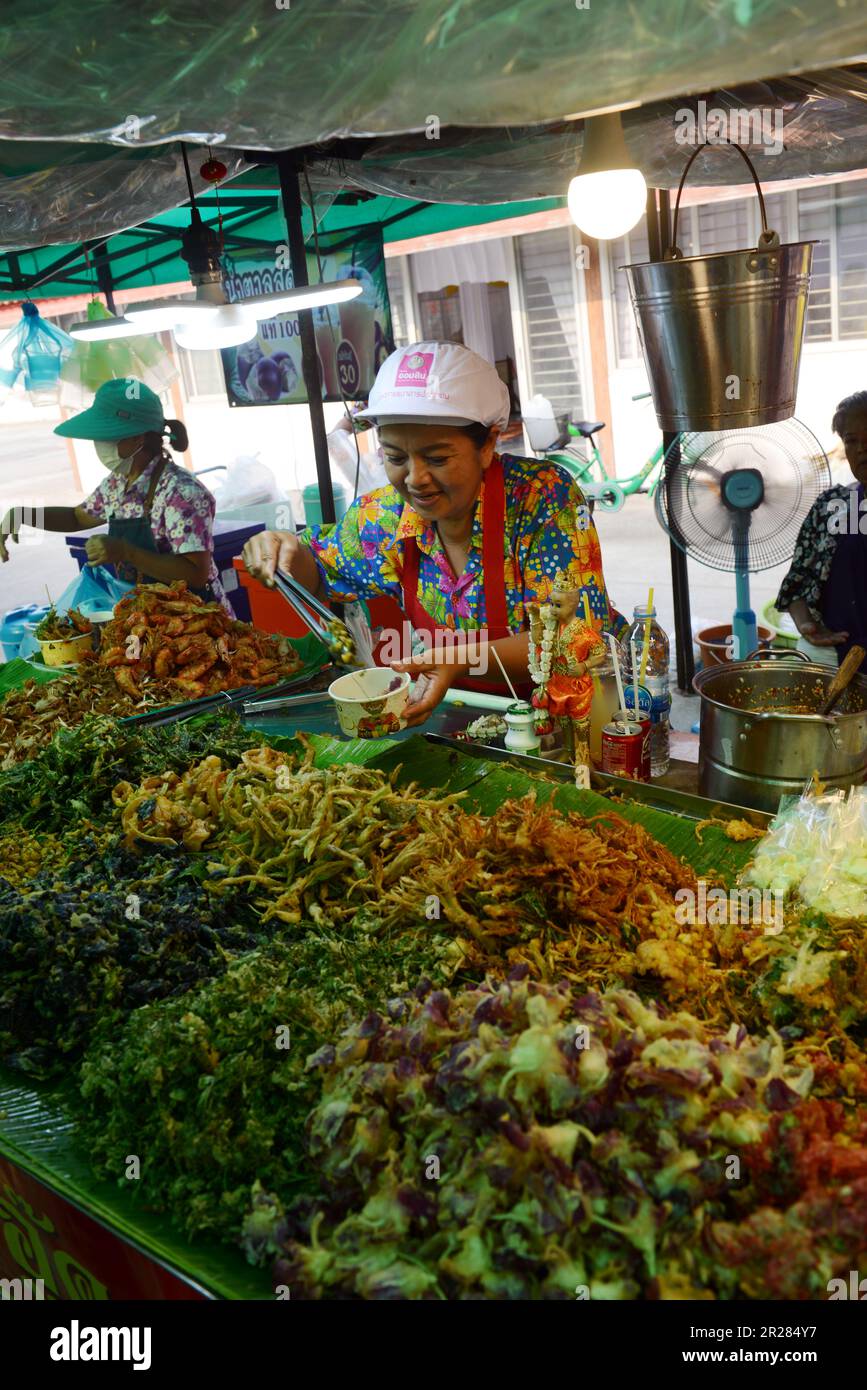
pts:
pixel 290 190
pixel 103 273
pixel 679 574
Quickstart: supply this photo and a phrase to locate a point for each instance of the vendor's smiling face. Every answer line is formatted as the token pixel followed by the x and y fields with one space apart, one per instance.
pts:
pixel 436 468
pixel 854 437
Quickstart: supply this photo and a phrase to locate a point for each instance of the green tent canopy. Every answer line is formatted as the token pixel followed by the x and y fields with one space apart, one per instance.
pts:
pixel 251 216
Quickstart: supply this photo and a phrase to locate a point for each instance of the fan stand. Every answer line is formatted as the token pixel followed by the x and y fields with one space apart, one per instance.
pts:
pixel 743 491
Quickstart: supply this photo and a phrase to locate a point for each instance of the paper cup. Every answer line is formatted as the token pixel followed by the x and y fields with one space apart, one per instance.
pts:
pixel 67 652
pixel 366 707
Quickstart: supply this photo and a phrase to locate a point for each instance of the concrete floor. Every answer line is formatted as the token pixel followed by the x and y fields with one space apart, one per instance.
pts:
pixel 34 470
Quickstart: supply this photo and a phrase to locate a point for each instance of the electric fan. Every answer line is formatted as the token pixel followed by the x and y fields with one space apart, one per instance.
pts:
pixel 736 500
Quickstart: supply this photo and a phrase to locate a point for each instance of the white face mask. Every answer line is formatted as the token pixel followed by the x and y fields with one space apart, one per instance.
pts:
pixel 107 453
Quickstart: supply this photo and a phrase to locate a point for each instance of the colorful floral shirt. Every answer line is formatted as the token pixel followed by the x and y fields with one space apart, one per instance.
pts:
pixel 548 528
pixel 814 551
pixel 182 511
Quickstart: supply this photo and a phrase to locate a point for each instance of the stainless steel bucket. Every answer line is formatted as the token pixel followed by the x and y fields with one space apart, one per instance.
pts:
pixel 753 750
pixel 722 334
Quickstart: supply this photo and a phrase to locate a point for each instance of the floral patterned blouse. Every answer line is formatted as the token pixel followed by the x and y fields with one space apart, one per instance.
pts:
pixel 814 551
pixel 182 511
pixel 548 528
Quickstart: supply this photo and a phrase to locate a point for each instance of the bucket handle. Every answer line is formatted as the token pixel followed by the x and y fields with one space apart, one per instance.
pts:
pixel 767 239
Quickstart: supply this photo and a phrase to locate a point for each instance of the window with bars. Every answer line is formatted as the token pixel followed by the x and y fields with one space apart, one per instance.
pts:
pixel 851 280
pixel 631 249
pixel 547 273
pixel 815 217
pixel 394 280
pixel 440 316
pixel 202 373
pixel 834 217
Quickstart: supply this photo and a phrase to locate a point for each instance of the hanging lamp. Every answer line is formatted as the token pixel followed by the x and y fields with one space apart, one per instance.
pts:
pixel 210 321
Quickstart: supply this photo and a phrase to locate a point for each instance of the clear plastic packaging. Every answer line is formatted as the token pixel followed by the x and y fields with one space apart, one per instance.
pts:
pixel 817 848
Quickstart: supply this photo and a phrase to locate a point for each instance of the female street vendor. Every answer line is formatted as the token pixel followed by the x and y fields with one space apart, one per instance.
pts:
pixel 825 589
pixel 160 517
pixel 464 539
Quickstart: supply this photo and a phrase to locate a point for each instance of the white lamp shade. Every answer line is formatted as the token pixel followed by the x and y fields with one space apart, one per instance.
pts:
pixel 96 330
pixel 230 326
pixel 608 203
pixel 265 306
pixel 153 315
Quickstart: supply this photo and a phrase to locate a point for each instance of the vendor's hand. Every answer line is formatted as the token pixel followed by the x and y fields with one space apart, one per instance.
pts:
pixel 268 551
pixel 7 530
pixel 433 680
pixel 821 636
pixel 103 550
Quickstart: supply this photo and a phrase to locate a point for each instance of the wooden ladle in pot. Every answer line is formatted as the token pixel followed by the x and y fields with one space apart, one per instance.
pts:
pixel 848 668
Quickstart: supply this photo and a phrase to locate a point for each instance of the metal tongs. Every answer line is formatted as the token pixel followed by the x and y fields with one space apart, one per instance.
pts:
pixel 321 621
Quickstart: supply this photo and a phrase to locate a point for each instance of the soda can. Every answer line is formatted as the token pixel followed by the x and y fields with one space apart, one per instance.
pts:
pixel 626 748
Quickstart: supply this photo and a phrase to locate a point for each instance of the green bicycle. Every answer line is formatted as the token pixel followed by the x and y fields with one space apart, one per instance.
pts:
pixel 608 492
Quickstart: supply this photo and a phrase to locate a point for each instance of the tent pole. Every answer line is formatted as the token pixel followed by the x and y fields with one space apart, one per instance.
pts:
pixel 103 274
pixel 679 573
pixel 290 189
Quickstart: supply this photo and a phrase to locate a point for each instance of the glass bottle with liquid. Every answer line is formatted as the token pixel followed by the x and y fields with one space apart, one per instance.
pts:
pixel 654 696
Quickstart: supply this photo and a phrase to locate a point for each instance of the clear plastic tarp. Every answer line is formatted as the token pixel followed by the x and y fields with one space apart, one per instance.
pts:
pixel 270 74
pixel 468 101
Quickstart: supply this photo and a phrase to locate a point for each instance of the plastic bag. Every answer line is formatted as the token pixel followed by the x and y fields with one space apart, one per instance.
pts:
pixel 90 364
pixel 94 585
pixel 817 848
pixel 246 483
pixel 35 351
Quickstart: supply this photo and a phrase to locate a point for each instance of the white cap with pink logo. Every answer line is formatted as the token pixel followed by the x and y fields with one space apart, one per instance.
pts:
pixel 433 383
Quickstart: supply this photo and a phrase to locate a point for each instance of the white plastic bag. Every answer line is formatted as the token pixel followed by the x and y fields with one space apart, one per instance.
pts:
pixel 246 483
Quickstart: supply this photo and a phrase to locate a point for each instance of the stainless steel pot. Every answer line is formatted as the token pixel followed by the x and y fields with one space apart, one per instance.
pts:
pixel 755 744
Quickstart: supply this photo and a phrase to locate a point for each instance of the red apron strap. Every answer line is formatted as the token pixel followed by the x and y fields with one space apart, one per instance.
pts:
pixel 493 552
pixel 493 575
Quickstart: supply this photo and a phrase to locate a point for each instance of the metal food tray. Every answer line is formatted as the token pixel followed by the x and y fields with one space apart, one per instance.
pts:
pixel 660 798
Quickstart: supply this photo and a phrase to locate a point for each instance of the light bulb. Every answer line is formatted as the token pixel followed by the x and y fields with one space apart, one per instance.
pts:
pixel 230 326
pixel 608 194
pixel 95 330
pixel 608 203
pixel 304 297
pixel 153 315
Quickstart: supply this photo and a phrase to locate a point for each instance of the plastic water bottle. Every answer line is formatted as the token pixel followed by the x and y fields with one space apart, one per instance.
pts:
pixel 654 697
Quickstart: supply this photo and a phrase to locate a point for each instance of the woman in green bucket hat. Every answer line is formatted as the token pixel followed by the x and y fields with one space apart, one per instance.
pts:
pixel 160 517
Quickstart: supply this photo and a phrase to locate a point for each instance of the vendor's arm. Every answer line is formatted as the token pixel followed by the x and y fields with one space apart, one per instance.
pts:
pixel 346 560
pixel 66 520
pixel 193 566
pixel 269 551
pixel 436 672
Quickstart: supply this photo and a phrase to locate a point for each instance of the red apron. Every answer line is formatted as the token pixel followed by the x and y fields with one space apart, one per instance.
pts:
pixel 493 578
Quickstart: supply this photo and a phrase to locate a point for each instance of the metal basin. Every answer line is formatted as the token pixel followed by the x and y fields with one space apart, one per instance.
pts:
pixel 759 740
